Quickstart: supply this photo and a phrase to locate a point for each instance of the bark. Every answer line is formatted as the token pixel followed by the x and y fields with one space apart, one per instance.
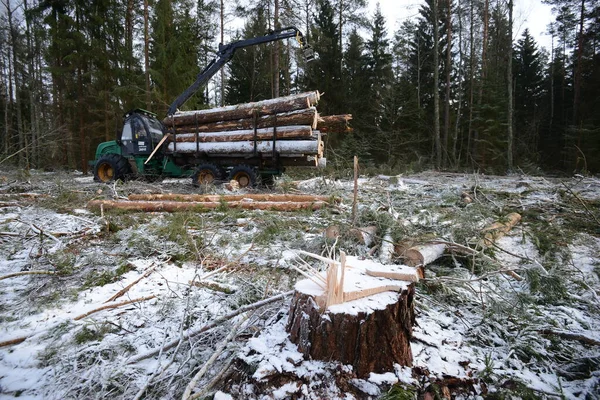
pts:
pixel 578 68
pixel 509 79
pixel 222 15
pixel 285 132
pixel 283 147
pixel 334 123
pixel 245 110
pixel 369 341
pixel 498 229
pixel 436 85
pixel 276 52
pixel 308 116
pixel 147 56
pixel 448 76
pixel 233 197
pixel 23 157
pixel 174 206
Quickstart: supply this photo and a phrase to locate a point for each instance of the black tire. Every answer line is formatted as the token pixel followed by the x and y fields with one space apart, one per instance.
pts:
pixel 244 175
pixel 111 167
pixel 206 174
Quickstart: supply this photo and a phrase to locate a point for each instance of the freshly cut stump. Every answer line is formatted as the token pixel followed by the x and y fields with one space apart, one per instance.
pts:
pixel 371 334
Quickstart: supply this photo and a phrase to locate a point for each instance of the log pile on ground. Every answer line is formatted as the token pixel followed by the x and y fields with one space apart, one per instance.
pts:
pixel 358 312
pixel 289 126
pixel 190 202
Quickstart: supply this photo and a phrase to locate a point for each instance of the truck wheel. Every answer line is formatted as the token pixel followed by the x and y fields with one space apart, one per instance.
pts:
pixel 206 174
pixel 111 167
pixel 244 175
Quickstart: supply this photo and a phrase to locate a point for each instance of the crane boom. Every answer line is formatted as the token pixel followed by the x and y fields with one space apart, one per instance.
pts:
pixel 225 54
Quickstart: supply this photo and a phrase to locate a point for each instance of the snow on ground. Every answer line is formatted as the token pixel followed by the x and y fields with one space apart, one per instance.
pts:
pixel 473 323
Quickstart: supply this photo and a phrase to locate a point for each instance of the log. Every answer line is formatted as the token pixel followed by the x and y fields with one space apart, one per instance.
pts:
pixel 370 330
pixel 22 273
pixel 419 256
pixel 498 229
pixel 10 342
pixel 284 132
pixel 233 197
pixel 290 147
pixel 334 123
pixel 245 110
pixel 308 117
pixel 174 206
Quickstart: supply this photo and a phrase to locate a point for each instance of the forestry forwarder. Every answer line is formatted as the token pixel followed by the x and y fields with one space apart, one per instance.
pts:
pixel 137 151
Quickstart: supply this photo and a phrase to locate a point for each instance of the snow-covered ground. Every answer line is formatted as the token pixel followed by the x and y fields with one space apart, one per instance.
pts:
pixel 482 330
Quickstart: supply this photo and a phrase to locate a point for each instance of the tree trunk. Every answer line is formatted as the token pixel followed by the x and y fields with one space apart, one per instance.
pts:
pixel 509 79
pixel 371 339
pixel 245 110
pixel 23 156
pixel 448 77
pixel 283 147
pixel 147 56
pixel 222 41
pixel 283 132
pixel 276 51
pixel 471 82
pixel 436 84
pixel 300 117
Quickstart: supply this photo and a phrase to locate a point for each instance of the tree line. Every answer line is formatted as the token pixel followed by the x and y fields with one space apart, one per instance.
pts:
pixel 453 88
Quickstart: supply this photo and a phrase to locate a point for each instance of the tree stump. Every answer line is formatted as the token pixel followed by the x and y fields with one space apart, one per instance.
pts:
pixel 371 333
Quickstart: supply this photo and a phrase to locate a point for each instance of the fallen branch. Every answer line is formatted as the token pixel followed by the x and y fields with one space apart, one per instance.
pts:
pixel 126 288
pixel 174 206
pixel 14 274
pixel 187 394
pixel 194 332
pixel 469 251
pixel 571 336
pixel 109 306
pixel 13 341
pixel 591 214
pixel 214 380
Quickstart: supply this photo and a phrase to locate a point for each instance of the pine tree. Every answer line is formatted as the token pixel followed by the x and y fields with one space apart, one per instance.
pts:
pixel 529 81
pixel 250 73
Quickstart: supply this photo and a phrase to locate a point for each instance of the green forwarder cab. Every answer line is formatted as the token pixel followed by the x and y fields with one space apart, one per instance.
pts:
pixel 127 156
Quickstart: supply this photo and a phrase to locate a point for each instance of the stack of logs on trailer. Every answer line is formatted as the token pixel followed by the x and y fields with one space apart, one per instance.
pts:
pixel 289 128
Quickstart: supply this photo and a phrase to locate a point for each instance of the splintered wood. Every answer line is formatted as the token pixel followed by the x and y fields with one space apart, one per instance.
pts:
pixel 358 312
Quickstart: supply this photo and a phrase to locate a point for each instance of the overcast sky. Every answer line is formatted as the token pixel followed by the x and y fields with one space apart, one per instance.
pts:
pixel 530 14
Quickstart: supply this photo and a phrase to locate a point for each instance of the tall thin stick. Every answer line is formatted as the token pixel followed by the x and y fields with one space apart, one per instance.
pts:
pixel 355 199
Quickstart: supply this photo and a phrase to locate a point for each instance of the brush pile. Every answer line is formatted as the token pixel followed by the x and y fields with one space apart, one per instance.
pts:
pixel 289 127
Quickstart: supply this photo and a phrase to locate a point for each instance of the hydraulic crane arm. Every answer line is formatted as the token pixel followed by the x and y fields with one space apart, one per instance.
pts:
pixel 226 53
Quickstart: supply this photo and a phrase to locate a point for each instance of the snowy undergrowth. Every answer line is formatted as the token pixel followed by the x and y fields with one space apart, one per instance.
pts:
pixel 498 336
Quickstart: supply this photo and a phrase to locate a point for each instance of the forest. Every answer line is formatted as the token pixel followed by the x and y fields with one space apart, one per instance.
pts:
pixel 454 88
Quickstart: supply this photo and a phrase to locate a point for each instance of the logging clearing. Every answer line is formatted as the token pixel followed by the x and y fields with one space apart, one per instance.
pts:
pixel 361 287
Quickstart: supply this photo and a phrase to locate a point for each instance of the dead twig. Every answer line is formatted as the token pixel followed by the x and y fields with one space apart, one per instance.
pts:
pixel 109 306
pixel 194 332
pixel 126 288
pixel 571 336
pixel 591 214
pixel 187 394
pixel 14 274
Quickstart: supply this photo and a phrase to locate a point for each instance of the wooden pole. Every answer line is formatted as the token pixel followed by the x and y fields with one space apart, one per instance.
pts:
pixel 355 199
